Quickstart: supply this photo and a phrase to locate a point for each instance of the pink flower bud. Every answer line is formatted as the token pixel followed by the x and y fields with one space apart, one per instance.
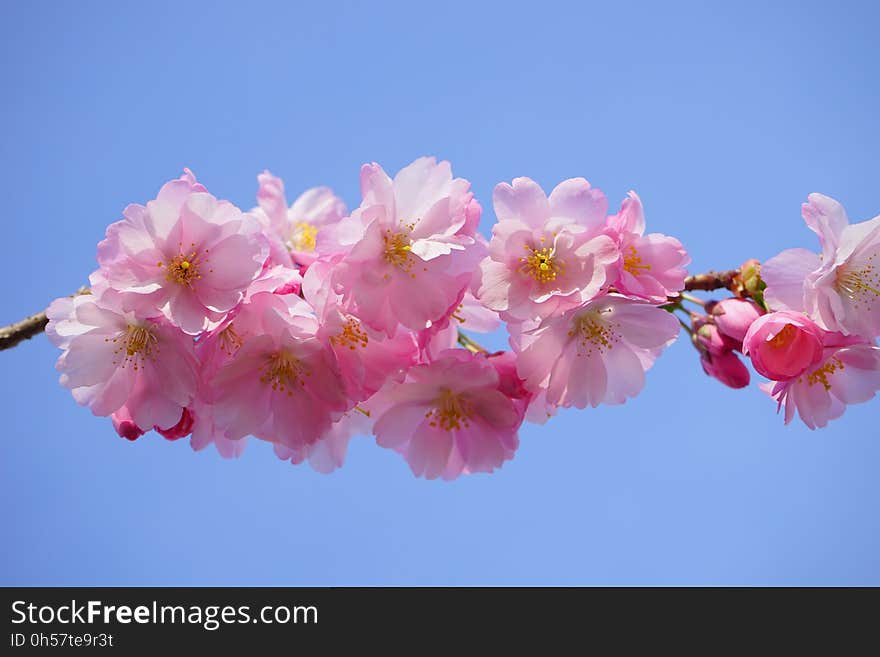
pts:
pixel 733 317
pixel 124 425
pixel 727 368
pixel 783 345
pixel 179 430
pixel 709 339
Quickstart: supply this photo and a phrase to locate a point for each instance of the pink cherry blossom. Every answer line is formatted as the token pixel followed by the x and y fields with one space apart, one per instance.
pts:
pixel 448 417
pixel 112 360
pixel 651 267
pixel 841 290
pixel 414 252
pixel 546 254
pixel 844 375
pixel 297 228
pixel 366 358
pixel 184 255
pixel 282 384
pixel 597 353
pixel 784 344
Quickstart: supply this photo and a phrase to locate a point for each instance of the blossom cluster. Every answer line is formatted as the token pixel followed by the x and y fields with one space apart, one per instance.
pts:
pixel 808 322
pixel 304 324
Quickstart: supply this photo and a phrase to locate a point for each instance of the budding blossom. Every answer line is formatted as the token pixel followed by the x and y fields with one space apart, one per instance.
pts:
pixel 718 356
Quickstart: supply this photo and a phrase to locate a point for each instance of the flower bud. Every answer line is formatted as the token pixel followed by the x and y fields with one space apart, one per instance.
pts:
pixel 750 275
pixel 733 317
pixel 708 339
pixel 727 368
pixel 783 344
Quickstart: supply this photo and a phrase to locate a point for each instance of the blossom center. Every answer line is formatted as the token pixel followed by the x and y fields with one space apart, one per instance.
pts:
pixel 593 333
pixel 184 268
pixel 351 335
pixel 821 374
pixel 304 238
pixel 135 345
pixel 284 371
pixel 632 262
pixel 398 249
pixel 450 411
pixel 860 286
pixel 784 338
pixel 230 341
pixel 541 264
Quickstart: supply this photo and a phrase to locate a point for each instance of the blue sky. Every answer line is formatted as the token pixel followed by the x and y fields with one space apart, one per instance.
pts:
pixel 723 116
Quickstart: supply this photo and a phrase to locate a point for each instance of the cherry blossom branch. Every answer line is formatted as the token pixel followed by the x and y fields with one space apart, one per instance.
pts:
pixel 711 280
pixel 13 334
pixel 27 328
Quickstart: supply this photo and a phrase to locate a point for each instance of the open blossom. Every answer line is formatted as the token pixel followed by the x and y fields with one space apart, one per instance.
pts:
pixel 113 361
pixel 449 417
pixel 366 358
pixel 296 228
pixel 283 383
pixel 841 290
pixel 415 249
pixel 597 353
pixel 784 344
pixel 546 254
pixel 651 266
pixel 845 375
pixel 184 255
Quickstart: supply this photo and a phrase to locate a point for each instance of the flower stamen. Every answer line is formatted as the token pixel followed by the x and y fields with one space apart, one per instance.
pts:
pixel 451 411
pixel 541 264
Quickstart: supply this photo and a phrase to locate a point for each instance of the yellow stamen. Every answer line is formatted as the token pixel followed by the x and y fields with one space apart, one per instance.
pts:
pixel 594 333
pixel 137 344
pixel 860 286
pixel 351 335
pixel 632 262
pixel 285 372
pixel 451 411
pixel 784 338
pixel 398 247
pixel 184 268
pixel 305 237
pixel 541 264
pixel 821 374
pixel 230 341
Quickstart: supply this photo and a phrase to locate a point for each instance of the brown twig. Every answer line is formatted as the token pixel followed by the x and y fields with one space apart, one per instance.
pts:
pixel 29 327
pixel 711 280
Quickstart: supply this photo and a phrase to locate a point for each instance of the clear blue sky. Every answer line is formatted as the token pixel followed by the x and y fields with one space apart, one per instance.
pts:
pixel 723 116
